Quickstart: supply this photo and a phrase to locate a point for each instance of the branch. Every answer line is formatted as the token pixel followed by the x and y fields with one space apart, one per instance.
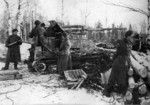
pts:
pixel 128 7
pixel 87 15
pixel 7 4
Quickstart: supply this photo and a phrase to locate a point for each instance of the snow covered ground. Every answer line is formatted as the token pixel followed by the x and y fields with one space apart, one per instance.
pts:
pixel 24 50
pixel 42 89
pixel 39 89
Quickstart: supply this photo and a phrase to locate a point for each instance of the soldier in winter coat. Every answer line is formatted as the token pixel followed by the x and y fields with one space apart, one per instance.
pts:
pixel 146 47
pixel 137 42
pixel 118 80
pixel 13 54
pixel 37 34
pixel 64 59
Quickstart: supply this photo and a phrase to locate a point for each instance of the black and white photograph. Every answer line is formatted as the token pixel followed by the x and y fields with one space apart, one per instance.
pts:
pixel 74 52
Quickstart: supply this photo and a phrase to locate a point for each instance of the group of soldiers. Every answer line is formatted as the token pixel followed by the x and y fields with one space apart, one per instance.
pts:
pixel 39 34
pixel 120 67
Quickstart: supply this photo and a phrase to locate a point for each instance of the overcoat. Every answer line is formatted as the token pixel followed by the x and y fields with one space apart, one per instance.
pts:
pixel 64 59
pixel 13 53
pixel 37 34
pixel 120 67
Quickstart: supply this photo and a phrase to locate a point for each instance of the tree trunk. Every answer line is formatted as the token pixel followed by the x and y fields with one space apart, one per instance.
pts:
pixel 128 95
pixel 9 72
pixel 18 20
pixel 131 82
pixel 142 89
pixel 9 26
pixel 9 29
pixel 148 27
pixel 140 69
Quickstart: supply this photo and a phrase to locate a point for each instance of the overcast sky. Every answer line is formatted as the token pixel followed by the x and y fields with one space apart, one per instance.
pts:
pixel 74 11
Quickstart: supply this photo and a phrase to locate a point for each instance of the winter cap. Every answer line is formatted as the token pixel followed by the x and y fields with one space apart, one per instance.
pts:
pixel 14 30
pixel 37 22
pixel 128 33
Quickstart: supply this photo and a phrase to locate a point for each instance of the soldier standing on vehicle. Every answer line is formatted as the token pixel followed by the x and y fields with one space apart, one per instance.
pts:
pixel 43 26
pixel 13 54
pixel 37 34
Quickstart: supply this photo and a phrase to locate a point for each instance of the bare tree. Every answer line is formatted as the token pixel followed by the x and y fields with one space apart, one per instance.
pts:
pixel 130 27
pixel 138 10
pixel 18 17
pixel 8 17
pixel 98 24
pixel 7 4
pixel 142 24
pixel 86 13
pixel 62 14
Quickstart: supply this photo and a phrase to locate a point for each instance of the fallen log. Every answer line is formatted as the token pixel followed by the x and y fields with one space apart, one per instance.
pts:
pixel 140 69
pixel 145 102
pixel 9 72
pixel 142 89
pixel 9 75
pixel 130 72
pixel 128 95
pixel 131 82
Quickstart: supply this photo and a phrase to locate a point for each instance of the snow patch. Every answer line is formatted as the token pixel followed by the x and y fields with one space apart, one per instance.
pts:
pixel 1 65
pixel 46 89
pixel 24 50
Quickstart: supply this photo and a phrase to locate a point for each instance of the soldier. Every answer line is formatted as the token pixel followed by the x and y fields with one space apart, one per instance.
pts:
pixel 64 59
pixel 37 34
pixel 43 25
pixel 118 80
pixel 137 42
pixel 54 30
pixel 43 28
pixel 13 54
pixel 146 47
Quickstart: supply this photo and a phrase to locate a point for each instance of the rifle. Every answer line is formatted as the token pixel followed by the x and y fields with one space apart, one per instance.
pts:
pixel 13 43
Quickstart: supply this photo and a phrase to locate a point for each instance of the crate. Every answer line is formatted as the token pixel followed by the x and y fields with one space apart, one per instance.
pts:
pixel 75 77
pixel 9 75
